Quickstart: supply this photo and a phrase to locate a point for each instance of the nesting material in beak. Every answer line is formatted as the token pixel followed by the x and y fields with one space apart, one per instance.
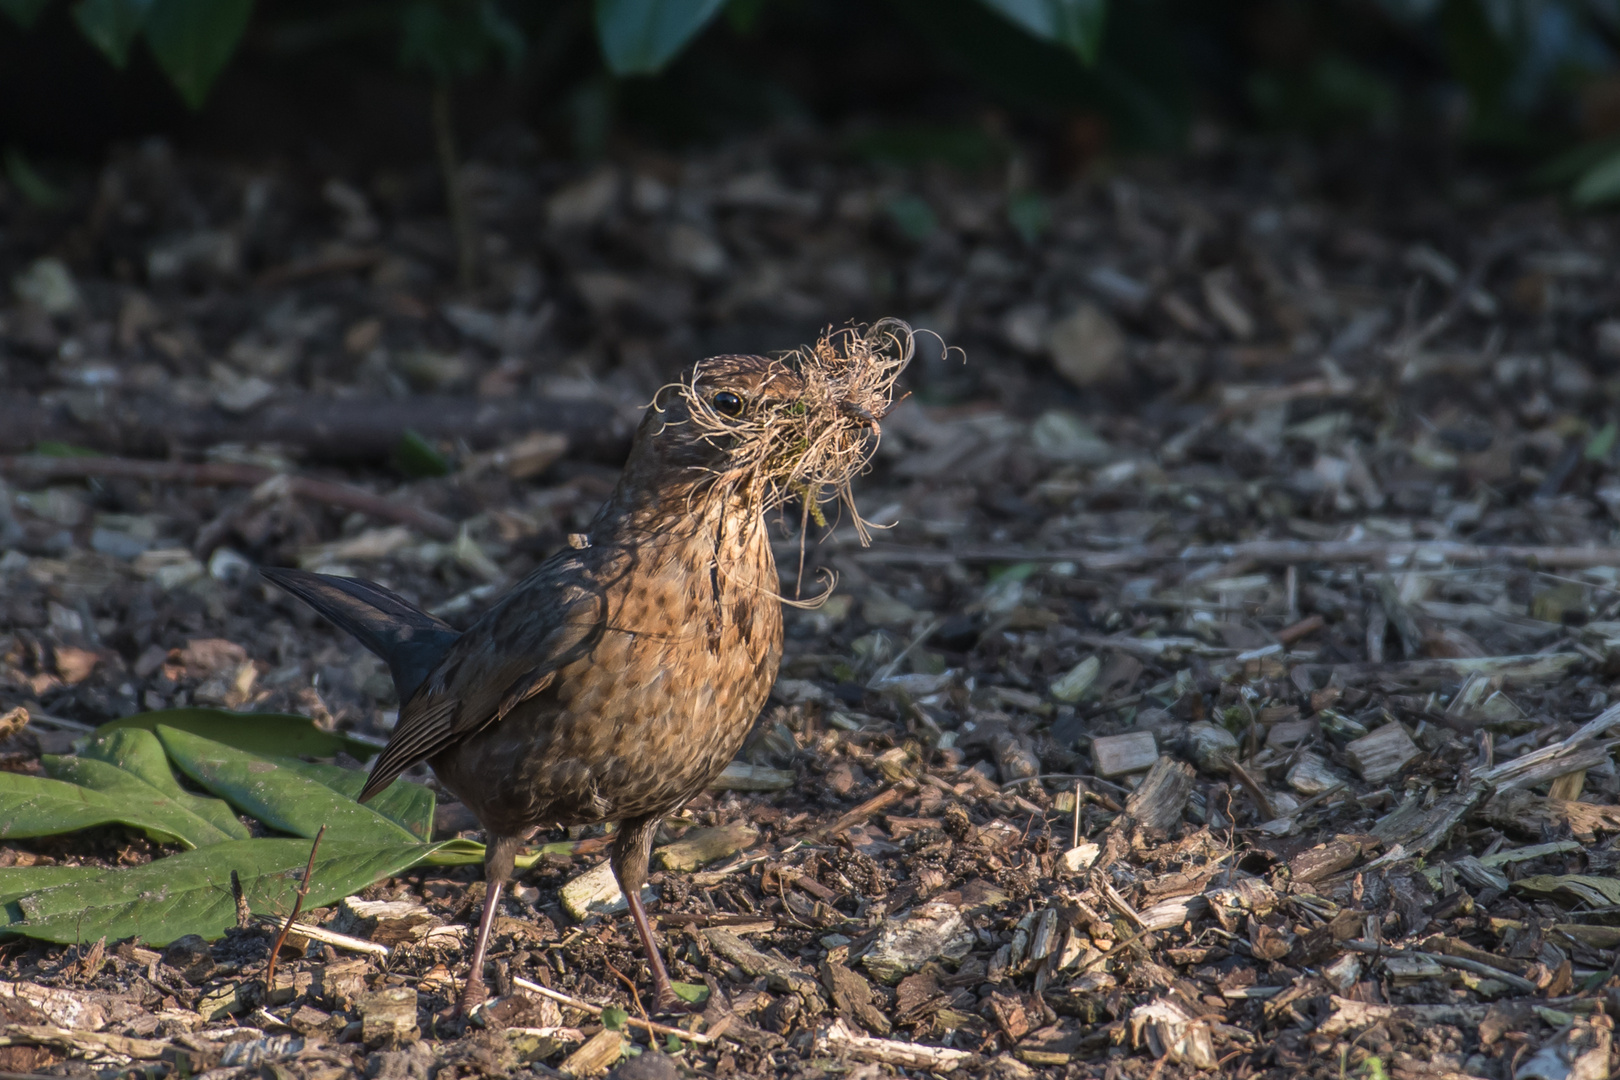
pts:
pixel 811 444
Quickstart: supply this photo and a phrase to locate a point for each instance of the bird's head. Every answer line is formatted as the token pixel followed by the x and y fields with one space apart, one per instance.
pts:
pixel 769 429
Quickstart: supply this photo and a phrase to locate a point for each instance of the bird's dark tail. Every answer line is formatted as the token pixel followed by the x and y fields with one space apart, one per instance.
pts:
pixel 410 641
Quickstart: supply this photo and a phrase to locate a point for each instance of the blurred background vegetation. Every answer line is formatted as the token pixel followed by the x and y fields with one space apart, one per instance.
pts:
pixel 1532 82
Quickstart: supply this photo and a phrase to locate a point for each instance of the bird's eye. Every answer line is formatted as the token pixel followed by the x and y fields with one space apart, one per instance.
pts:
pixel 728 403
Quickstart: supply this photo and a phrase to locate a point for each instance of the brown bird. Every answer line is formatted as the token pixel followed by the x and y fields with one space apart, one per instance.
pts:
pixel 619 678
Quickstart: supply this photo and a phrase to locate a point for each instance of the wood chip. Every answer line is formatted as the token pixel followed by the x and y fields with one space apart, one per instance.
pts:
pixel 1120 755
pixel 1382 754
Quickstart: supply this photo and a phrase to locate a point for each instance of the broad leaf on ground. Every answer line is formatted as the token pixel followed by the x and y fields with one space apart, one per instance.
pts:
pixel 270 734
pixel 190 893
pixel 138 751
pixel 176 821
pixel 36 806
pixel 410 805
pixel 277 795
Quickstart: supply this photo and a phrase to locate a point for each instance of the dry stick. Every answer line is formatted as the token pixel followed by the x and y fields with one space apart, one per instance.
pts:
pixel 875 805
pixel 298 904
pixel 1277 552
pixel 329 492
pixel 585 1006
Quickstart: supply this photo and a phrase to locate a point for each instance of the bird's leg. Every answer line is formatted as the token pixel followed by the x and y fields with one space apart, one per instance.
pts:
pixel 630 850
pixel 498 863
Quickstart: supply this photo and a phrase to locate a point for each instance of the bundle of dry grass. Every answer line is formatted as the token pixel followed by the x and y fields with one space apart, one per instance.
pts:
pixel 811 442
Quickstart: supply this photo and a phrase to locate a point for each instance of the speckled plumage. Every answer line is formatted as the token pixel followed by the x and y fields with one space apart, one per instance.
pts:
pixel 614 682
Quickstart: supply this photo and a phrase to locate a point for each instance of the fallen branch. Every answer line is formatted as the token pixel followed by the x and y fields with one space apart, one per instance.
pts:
pixel 267 481
pixel 315 427
pixel 1389 553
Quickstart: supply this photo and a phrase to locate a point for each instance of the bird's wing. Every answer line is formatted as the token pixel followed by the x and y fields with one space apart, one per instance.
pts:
pixel 511 654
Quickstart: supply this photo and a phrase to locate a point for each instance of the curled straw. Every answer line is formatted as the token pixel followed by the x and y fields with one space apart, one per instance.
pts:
pixel 812 443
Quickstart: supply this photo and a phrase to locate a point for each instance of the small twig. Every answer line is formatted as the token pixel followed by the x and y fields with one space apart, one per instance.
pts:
pixel 587 1007
pixel 875 805
pixel 298 904
pixel 219 473
pixel 635 995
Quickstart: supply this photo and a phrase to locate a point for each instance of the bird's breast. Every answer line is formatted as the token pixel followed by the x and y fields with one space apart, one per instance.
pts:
pixel 691 643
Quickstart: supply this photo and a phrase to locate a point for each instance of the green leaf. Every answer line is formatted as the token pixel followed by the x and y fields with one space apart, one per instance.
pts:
pixel 18 881
pixel 24 12
pixel 138 751
pixel 450 41
pixel 914 216
pixel 1599 184
pixel 640 36
pixel 193 39
pixel 33 187
pixel 175 822
pixel 275 794
pixel 36 806
pixel 57 448
pixel 417 458
pixel 271 734
pixel 111 25
pixel 1075 23
pixel 614 1018
pixel 407 804
pixel 696 993
pixel 190 893
pixel 1029 215
pixel 1601 444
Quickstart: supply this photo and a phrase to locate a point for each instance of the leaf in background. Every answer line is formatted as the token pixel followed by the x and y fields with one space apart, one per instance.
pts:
pixel 1075 23
pixel 190 893
pixel 29 183
pixel 35 806
pixel 111 25
pixel 175 821
pixel 270 734
pixel 640 36
pixel 402 802
pixel 914 216
pixel 24 12
pixel 417 458
pixel 57 448
pixel 275 794
pixel 138 751
pixel 1599 184
pixel 1029 215
pixel 193 39
pixel 449 41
